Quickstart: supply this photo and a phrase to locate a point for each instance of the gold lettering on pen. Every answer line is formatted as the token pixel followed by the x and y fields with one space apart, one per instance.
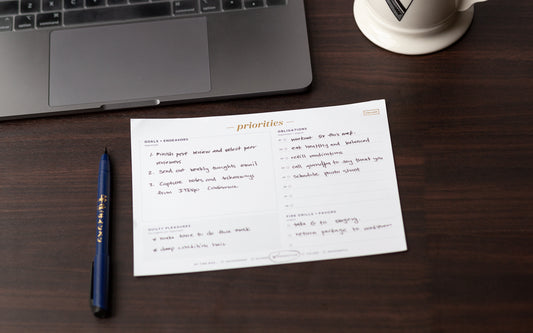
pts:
pixel 100 207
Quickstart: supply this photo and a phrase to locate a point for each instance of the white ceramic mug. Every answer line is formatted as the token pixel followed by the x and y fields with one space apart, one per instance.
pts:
pixel 414 26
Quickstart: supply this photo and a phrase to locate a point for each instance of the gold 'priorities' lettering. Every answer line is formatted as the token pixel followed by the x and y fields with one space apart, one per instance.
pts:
pixel 265 123
pixel 100 206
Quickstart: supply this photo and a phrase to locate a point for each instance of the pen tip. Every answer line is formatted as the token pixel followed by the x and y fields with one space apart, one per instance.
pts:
pixel 105 150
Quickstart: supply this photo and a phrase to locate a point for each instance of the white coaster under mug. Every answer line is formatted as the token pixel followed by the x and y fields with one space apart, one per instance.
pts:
pixel 414 26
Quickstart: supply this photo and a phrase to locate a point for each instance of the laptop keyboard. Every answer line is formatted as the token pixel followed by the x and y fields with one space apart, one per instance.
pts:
pixel 19 15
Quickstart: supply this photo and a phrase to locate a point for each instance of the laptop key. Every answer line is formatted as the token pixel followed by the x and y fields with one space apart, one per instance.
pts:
pixel 94 3
pixel 117 13
pixel 9 7
pixel 253 3
pixel 6 23
pixel 72 4
pixel 276 2
pixel 29 6
pixel 185 7
pixel 48 20
pixel 49 5
pixel 116 2
pixel 231 4
pixel 24 22
pixel 210 5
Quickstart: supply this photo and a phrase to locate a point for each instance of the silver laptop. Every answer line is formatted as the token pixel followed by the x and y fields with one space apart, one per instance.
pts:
pixel 79 55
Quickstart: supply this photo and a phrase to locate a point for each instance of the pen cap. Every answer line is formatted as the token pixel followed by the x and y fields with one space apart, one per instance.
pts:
pixel 99 298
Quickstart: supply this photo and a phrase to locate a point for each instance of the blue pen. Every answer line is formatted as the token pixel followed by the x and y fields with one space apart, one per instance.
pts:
pixel 100 270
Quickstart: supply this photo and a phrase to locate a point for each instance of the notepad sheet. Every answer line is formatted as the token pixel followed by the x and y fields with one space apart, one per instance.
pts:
pixel 229 192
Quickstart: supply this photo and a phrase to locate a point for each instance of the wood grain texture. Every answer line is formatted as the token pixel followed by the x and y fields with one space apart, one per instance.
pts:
pixel 461 124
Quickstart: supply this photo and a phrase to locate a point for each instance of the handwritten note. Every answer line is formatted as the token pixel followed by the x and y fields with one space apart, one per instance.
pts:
pixel 261 189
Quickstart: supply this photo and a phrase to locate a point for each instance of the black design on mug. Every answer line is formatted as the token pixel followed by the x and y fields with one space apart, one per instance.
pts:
pixel 399 7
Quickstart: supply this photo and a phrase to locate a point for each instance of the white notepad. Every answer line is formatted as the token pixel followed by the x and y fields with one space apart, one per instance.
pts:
pixel 250 190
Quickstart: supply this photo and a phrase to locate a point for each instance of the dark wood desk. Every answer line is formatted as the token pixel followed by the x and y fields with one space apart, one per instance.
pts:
pixel 461 123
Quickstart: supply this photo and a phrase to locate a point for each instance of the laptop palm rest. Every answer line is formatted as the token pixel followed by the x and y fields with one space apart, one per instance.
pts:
pixel 127 63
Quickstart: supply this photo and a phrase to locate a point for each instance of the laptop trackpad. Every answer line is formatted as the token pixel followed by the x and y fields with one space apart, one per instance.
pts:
pixel 129 62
